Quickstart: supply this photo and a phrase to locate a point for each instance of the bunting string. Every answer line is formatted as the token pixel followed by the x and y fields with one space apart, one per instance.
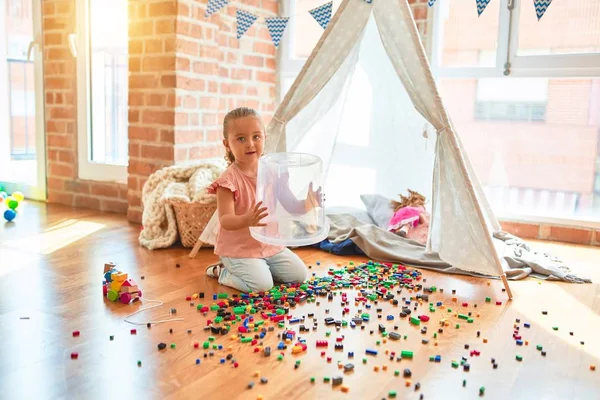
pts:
pixel 322 15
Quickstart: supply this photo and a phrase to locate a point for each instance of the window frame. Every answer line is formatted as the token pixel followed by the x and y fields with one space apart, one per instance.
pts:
pixel 289 66
pixel 530 66
pixel 547 66
pixel 80 47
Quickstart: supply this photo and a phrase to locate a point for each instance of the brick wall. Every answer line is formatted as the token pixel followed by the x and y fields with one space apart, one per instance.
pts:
pixel 186 72
pixel 567 234
pixel 152 75
pixel 61 118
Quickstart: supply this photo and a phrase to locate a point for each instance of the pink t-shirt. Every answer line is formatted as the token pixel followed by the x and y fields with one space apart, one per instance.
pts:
pixel 239 243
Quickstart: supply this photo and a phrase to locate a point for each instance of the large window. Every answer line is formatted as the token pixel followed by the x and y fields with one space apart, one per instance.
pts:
pixel 300 37
pixel 524 96
pixel 101 50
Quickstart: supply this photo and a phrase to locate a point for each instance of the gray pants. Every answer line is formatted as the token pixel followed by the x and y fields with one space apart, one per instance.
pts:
pixel 258 274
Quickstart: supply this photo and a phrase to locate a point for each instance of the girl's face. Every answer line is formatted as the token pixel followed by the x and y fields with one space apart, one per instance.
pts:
pixel 245 139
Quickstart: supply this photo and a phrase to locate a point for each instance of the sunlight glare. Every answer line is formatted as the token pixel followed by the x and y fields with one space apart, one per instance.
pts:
pixel 55 238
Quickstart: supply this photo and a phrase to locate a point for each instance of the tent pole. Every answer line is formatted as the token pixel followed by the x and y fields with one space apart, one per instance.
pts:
pixel 505 282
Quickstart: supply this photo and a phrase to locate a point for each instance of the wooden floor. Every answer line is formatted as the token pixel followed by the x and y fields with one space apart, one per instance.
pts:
pixel 51 264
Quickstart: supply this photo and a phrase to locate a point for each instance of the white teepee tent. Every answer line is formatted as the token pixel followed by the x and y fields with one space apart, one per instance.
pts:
pixel 367 104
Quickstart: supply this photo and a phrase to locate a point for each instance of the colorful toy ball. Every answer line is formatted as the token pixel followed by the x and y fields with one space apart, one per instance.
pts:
pixel 9 215
pixel 12 204
pixel 7 199
pixel 18 196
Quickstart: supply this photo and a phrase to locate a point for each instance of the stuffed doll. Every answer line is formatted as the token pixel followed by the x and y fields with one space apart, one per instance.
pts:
pixel 410 218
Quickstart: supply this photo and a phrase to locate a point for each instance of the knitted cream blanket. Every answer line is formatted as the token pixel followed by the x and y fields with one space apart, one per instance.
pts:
pixel 174 183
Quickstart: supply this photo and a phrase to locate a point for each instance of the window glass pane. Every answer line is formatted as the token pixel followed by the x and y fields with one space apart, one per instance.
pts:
pixel 567 27
pixel 533 142
pixel 108 81
pixel 307 30
pixel 466 39
pixel 17 73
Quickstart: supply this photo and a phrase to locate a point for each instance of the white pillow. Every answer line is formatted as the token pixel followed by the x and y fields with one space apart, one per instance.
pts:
pixel 379 208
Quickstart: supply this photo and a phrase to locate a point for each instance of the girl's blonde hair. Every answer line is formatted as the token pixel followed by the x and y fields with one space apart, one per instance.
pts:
pixel 232 115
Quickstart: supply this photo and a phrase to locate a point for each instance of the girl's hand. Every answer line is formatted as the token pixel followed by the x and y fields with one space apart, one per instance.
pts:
pixel 255 215
pixel 314 199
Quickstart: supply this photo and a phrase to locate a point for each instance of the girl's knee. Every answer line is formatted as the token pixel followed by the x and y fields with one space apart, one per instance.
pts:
pixel 299 272
pixel 261 283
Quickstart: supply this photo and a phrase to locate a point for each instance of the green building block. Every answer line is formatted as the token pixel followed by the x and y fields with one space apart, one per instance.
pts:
pixel 488 299
pixel 539 347
pixel 206 345
pixel 457 326
pixel 312 379
pixel 211 338
pixel 214 307
pixel 396 373
pixel 222 295
pixel 454 364
pixel 406 354
pixel 172 345
pixel 470 320
pixel 392 394
pixel 199 307
pixel 463 316
pixel 415 321
pixel 519 357
pixel 218 320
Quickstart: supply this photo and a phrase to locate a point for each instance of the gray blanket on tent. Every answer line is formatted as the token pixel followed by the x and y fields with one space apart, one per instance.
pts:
pixel 518 259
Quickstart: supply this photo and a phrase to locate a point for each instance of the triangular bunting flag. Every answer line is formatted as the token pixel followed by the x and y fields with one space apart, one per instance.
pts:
pixel 213 6
pixel 276 27
pixel 244 22
pixel 541 6
pixel 481 5
pixel 322 14
pixel 431 3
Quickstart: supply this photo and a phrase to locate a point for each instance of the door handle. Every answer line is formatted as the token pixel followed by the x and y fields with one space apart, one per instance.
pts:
pixel 73 44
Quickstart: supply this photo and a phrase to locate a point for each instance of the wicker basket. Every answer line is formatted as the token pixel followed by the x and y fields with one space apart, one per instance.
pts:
pixel 192 219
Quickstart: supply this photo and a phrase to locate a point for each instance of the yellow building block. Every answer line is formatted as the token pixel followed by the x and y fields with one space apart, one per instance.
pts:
pixel 118 276
pixel 116 285
pixel 296 349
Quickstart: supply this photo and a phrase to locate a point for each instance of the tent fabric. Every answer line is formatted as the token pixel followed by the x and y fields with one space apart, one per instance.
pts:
pixel 363 102
pixel 372 52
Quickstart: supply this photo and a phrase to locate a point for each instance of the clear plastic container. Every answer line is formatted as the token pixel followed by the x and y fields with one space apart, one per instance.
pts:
pixel 290 185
